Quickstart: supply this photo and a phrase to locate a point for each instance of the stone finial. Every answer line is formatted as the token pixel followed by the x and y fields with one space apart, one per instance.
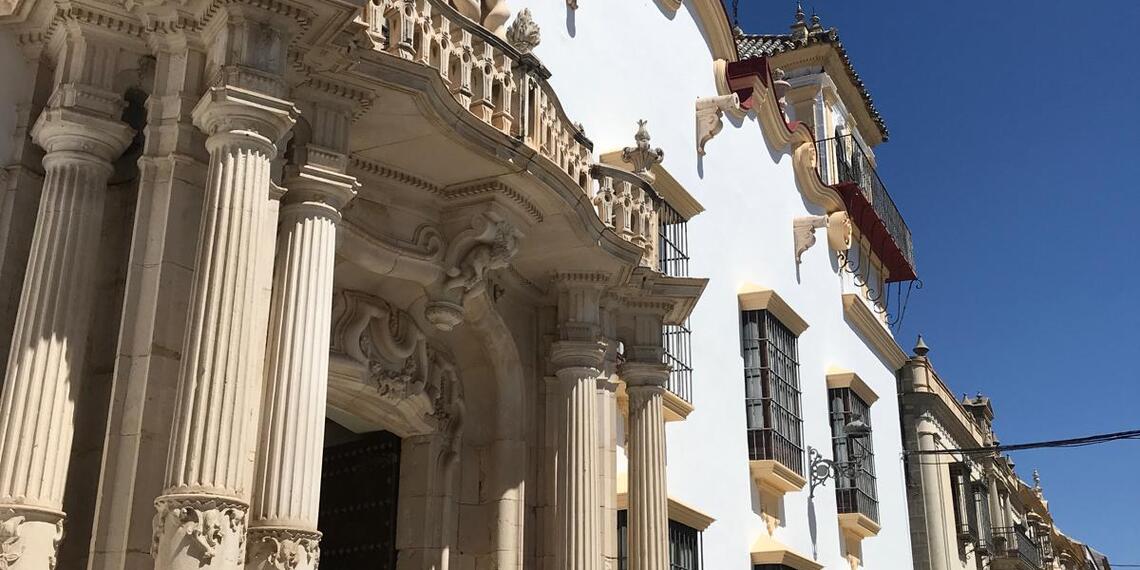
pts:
pixel 1036 481
pixel 642 156
pixel 920 348
pixel 524 33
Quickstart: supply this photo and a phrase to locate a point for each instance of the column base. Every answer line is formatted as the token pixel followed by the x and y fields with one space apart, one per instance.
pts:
pixel 199 532
pixel 29 537
pixel 283 548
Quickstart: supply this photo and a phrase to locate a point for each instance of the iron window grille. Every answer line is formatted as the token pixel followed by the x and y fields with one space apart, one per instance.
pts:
pixel 673 260
pixel 1013 542
pixel 982 507
pixel 772 390
pixel 854 493
pixel 684 544
pixel 965 506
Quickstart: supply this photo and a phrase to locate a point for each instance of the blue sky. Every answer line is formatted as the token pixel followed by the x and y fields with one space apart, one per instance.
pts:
pixel 1014 156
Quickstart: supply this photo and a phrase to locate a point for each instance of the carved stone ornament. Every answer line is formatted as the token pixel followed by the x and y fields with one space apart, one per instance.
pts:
pixel 412 376
pixel 781 87
pixel 839 232
pixel 204 521
pixel 710 111
pixel 523 33
pixel 283 549
pixel 489 244
pixel 492 14
pixel 10 547
pixel 642 156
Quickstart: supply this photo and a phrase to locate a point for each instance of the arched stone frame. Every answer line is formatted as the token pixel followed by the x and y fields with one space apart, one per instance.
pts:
pixel 442 449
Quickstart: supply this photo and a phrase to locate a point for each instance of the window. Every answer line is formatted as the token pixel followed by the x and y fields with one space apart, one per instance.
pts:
pixel 772 390
pixel 965 505
pixel 982 507
pixel 673 259
pixel 684 544
pixel 855 494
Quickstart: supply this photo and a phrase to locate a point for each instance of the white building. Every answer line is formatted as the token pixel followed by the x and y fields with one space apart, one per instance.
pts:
pixel 376 284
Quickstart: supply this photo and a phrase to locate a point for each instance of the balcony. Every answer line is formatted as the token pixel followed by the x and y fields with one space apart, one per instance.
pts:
pixel 846 166
pixel 1012 549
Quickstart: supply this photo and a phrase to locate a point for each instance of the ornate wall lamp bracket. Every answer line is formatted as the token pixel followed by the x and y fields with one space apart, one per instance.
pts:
pixel 821 469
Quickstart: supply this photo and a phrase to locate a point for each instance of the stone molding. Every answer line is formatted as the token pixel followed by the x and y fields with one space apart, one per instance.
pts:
pixel 753 297
pixel 851 380
pixel 871 327
pixel 465 193
pixel 709 112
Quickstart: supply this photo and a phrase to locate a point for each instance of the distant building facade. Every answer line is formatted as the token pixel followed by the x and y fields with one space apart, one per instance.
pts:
pixel 968 509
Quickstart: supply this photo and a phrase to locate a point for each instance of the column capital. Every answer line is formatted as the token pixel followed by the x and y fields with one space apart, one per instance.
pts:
pixel 81 136
pixel 283 548
pixel 647 375
pixel 586 356
pixel 311 184
pixel 229 109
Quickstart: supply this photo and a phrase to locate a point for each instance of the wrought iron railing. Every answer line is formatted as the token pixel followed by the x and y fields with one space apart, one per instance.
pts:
pixel 1010 542
pixel 673 260
pixel 843 159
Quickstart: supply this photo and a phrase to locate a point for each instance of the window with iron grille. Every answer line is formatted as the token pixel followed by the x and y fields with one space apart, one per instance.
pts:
pixel 982 508
pixel 965 507
pixel 854 494
pixel 684 544
pixel 673 257
pixel 771 390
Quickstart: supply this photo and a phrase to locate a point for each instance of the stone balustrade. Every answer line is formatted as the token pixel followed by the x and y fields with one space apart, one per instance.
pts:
pixel 497 83
pixel 628 204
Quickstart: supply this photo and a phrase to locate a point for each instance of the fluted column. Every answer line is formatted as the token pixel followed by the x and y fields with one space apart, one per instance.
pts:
pixel 287 482
pixel 47 353
pixel 577 365
pixel 648 494
pixel 201 515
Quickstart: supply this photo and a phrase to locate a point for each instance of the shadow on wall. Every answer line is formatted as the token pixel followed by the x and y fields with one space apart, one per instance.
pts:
pixel 571 23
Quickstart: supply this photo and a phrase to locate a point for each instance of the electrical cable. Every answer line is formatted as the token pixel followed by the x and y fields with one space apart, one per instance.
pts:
pixel 1056 443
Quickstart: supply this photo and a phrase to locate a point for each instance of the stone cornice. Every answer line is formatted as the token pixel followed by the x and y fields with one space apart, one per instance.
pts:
pixel 871 327
pixel 463 193
pixel 365 169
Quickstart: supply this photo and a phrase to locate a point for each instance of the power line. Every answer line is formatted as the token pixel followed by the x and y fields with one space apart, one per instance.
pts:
pixel 1071 442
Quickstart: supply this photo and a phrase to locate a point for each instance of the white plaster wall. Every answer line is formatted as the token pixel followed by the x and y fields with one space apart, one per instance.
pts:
pixel 15 86
pixel 616 62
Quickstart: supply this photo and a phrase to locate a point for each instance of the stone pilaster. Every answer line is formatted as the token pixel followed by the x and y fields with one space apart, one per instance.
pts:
pixel 648 494
pixel 201 520
pixel 81 135
pixel 286 497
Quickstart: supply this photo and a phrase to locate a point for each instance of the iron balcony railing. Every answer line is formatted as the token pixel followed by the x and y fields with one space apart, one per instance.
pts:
pixel 842 160
pixel 673 260
pixel 1009 542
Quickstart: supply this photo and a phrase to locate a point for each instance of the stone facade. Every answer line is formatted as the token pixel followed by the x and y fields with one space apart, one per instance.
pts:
pixel 970 510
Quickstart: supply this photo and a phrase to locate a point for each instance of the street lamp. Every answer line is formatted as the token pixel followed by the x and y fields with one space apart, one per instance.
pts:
pixel 822 469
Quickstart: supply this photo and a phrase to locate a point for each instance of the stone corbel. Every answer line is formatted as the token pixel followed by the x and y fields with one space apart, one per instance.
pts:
pixel 489 244
pixel 710 111
pixel 838 226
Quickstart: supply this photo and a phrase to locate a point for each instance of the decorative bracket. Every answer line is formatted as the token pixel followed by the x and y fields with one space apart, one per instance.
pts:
pixel 489 244
pixel 710 111
pixel 839 231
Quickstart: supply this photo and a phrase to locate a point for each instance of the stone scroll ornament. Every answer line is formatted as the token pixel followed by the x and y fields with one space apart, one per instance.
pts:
pixel 710 111
pixel 489 244
pixel 407 371
pixel 839 232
